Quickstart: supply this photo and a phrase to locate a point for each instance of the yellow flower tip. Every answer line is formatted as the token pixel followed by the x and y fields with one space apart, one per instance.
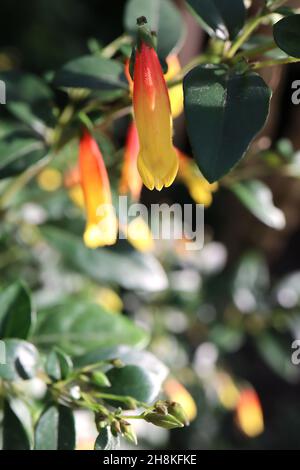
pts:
pixel 164 173
pixel 139 235
pixel 100 235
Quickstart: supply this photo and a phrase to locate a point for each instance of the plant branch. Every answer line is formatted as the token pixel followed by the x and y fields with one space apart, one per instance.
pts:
pixel 274 62
pixel 250 27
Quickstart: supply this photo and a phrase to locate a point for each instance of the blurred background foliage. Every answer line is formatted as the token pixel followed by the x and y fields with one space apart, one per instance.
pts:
pixel 223 319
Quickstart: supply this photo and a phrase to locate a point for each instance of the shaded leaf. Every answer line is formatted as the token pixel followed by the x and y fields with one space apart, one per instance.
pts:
pixel 126 267
pixel 221 18
pixel 55 429
pixel 224 112
pixel 58 365
pixel 92 72
pixel 135 382
pixel 19 150
pixel 287 35
pixel 21 360
pixel 29 99
pixel 16 315
pixel 14 433
pixel 258 199
pixel 79 327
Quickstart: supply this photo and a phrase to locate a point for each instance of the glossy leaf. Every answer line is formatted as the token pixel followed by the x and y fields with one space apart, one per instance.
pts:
pixel 287 35
pixel 16 314
pixel 58 365
pixel 14 433
pixel 224 112
pixel 163 18
pixel 135 382
pixel 258 199
pixel 221 18
pixel 21 360
pixel 125 267
pixel 92 72
pixel 79 327
pixel 55 429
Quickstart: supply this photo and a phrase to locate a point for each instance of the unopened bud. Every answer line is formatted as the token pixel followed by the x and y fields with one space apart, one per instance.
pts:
pixel 128 432
pixel 99 378
pixel 167 422
pixel 176 410
pixel 115 428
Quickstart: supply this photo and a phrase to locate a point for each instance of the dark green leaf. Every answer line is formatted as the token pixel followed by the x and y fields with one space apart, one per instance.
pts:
pixel 16 313
pixel 126 267
pixel 106 441
pixel 163 18
pixel 221 18
pixel 92 72
pixel 55 429
pixel 19 150
pixel 58 365
pixel 14 434
pixel 29 99
pixel 224 112
pixel 135 382
pixel 258 199
pixel 287 35
pixel 79 327
pixel 21 360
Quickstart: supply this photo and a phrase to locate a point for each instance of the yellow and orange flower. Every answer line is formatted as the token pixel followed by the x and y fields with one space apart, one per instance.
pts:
pixel 175 92
pixel 249 413
pixel 131 181
pixel 101 227
pixel 199 188
pixel 157 160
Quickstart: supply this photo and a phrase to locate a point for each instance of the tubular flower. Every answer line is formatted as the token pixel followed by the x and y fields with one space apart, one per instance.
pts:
pixel 200 189
pixel 157 160
pixel 249 413
pixel 101 228
pixel 130 180
pixel 175 92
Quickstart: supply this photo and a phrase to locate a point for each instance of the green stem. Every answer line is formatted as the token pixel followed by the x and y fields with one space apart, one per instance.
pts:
pixel 198 60
pixel 256 51
pixel 112 48
pixel 251 26
pixel 272 63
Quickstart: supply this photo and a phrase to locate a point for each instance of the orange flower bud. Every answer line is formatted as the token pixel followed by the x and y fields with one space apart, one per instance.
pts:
pixel 101 228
